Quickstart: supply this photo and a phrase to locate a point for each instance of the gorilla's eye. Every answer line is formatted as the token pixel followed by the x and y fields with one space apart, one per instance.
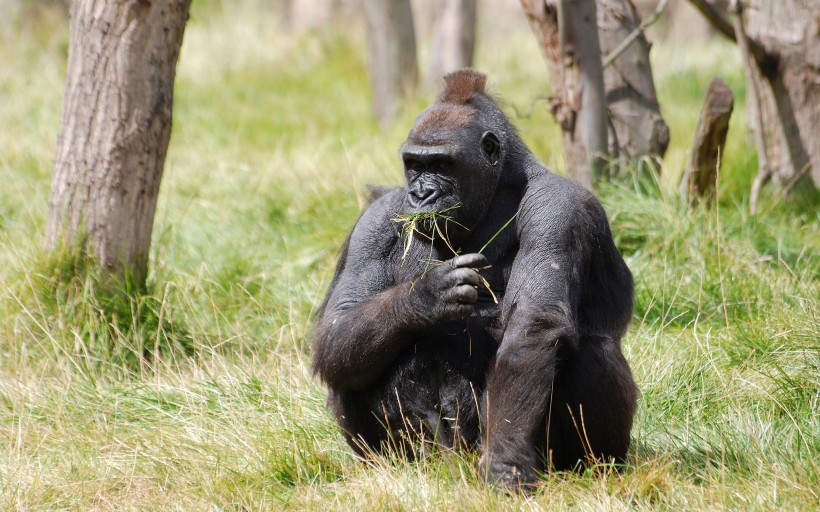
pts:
pixel 439 165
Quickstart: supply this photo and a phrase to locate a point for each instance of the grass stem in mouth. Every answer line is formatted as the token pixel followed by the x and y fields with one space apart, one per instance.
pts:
pixel 410 223
pixel 429 220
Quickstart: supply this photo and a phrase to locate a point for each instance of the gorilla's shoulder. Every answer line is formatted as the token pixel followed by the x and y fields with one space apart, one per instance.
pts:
pixel 383 202
pixel 375 191
pixel 375 226
pixel 556 204
pixel 547 186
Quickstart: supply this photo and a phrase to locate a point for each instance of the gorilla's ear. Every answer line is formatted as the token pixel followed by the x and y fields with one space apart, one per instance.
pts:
pixel 491 147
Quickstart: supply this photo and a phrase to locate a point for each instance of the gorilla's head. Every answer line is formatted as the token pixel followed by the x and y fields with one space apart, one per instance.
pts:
pixel 454 154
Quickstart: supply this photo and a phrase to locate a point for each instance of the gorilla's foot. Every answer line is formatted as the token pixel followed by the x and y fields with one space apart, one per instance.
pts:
pixel 508 476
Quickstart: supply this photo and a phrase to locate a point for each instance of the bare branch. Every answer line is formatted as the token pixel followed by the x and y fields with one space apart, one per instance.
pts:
pixel 764 169
pixel 766 60
pixel 715 18
pixel 635 33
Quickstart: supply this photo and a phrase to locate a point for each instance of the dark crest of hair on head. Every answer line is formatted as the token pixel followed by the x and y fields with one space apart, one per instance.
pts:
pixel 461 86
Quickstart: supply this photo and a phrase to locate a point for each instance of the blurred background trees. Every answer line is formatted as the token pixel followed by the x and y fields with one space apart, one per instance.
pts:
pixel 392 43
pixel 453 39
pixel 783 40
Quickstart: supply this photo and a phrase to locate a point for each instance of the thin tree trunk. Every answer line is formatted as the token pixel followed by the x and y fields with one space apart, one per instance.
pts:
pixel 115 129
pixel 636 125
pixel 568 36
pixel 453 39
pixel 393 68
pixel 283 10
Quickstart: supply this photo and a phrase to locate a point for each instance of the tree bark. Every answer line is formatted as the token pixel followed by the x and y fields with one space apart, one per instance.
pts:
pixel 632 121
pixel 789 99
pixel 700 175
pixel 713 11
pixel 568 36
pixel 283 10
pixel 115 128
pixel 393 68
pixel 636 126
pixel 453 39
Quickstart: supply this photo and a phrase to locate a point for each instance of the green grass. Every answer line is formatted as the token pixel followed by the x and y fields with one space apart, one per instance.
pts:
pixel 273 143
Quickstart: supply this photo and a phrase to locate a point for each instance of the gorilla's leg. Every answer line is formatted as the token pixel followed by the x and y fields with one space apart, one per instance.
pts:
pixel 518 398
pixel 593 403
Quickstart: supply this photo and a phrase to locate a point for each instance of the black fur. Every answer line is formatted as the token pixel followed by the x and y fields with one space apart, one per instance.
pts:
pixel 417 354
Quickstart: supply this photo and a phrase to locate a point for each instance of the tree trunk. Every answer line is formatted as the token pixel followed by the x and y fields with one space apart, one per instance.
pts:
pixel 568 38
pixel 393 68
pixel 700 175
pixel 636 125
pixel 790 94
pixel 454 38
pixel 115 128
pixel 633 126
pixel 283 10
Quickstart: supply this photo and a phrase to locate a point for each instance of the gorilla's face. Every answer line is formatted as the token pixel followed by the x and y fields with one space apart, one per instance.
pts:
pixel 451 166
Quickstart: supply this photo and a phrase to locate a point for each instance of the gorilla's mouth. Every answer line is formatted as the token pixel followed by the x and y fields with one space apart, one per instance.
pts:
pixel 432 224
pixel 441 207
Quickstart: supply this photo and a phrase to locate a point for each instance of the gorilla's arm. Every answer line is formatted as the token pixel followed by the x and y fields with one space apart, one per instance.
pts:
pixel 368 318
pixel 558 232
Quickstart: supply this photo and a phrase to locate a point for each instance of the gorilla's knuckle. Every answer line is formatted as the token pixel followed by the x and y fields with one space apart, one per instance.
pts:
pixel 465 276
pixel 464 310
pixel 467 293
pixel 470 260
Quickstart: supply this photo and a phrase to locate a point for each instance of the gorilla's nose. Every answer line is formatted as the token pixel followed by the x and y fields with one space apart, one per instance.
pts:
pixel 423 195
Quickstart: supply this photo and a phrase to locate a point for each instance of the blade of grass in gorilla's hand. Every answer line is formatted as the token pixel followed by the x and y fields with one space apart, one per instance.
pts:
pixel 482 278
pixel 499 231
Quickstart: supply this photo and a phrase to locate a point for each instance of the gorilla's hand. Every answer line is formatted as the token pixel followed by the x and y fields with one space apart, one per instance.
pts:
pixel 447 291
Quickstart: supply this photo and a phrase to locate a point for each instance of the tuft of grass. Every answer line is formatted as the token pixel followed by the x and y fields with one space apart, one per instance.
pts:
pixel 98 325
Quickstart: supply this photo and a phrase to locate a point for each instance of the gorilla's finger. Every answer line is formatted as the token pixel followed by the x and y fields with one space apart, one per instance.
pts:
pixel 473 260
pixel 464 276
pixel 466 294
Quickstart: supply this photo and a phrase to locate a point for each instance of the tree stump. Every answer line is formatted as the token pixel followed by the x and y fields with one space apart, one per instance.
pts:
pixel 700 175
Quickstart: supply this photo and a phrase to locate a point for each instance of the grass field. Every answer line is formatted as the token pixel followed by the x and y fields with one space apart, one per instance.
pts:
pixel 273 143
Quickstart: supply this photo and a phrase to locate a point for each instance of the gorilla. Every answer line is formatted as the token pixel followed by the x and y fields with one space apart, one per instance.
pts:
pixel 430 336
